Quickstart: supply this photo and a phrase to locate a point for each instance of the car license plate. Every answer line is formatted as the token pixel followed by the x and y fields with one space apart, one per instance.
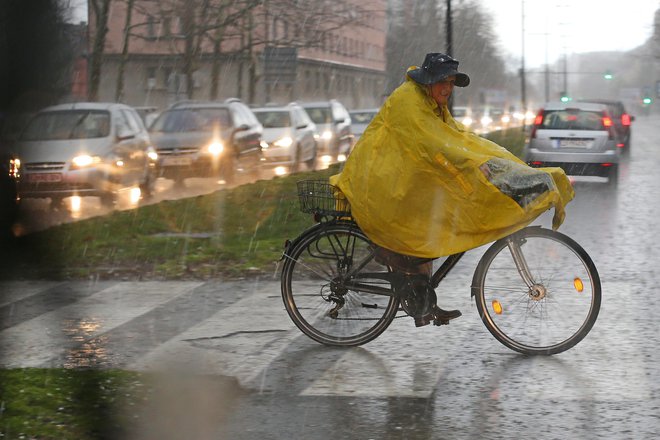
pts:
pixel 575 143
pixel 177 161
pixel 44 177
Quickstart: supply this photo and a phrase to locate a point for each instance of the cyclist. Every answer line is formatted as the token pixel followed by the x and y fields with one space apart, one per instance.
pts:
pixel 422 186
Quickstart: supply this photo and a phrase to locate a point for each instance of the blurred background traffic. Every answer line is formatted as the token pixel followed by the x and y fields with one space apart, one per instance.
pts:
pixel 114 103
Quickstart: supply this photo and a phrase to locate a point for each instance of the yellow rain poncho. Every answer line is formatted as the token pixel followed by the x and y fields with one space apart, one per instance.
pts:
pixel 420 184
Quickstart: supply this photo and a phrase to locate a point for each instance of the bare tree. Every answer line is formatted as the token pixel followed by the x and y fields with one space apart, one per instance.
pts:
pixel 100 12
pixel 119 90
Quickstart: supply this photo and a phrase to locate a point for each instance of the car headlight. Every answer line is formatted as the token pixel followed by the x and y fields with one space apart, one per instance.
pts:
pixel 85 160
pixel 215 148
pixel 327 135
pixel 152 155
pixel 283 142
pixel 467 121
pixel 264 145
pixel 14 168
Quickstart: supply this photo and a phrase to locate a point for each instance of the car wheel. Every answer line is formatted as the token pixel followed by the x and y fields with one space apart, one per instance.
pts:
pixel 147 188
pixel 56 203
pixel 311 163
pixel 228 170
pixel 613 176
pixel 295 168
pixel 179 181
pixel 108 199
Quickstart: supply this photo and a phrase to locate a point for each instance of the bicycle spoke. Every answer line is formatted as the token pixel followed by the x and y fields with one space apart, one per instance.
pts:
pixel 550 315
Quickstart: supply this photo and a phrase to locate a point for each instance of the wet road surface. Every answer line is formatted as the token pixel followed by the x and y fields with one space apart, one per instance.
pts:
pixel 239 369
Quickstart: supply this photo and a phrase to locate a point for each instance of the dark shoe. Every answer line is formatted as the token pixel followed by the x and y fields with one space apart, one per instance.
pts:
pixel 441 316
pixel 422 320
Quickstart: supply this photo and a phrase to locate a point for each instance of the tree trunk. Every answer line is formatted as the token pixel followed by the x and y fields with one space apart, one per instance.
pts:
pixel 252 66
pixel 119 91
pixel 101 10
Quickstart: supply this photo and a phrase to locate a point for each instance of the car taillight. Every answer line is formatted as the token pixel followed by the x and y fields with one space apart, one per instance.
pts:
pixel 625 119
pixel 537 123
pixel 607 124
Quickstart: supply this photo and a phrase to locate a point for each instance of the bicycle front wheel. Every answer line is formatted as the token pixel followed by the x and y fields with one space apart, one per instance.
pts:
pixel 550 311
pixel 316 297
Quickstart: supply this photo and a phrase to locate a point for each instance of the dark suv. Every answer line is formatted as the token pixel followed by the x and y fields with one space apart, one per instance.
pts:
pixel 207 139
pixel 334 126
pixel 621 122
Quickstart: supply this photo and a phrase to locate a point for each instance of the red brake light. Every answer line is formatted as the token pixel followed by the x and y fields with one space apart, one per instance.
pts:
pixel 625 119
pixel 538 120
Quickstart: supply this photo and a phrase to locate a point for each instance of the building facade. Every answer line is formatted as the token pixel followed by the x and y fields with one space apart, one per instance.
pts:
pixel 278 51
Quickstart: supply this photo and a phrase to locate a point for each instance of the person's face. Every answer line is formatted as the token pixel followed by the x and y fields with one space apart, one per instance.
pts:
pixel 441 91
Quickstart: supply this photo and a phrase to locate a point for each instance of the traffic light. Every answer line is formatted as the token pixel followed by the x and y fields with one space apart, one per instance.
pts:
pixel 647 100
pixel 608 75
pixel 564 97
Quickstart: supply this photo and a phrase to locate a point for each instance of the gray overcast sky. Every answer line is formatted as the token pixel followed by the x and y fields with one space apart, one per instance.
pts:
pixel 570 26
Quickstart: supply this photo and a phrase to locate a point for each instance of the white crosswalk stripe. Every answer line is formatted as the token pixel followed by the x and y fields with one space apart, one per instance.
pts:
pixel 239 341
pixel 12 291
pixel 31 343
pixel 249 338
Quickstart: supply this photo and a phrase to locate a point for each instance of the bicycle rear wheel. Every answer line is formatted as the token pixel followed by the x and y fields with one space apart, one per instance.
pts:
pixel 559 306
pixel 316 297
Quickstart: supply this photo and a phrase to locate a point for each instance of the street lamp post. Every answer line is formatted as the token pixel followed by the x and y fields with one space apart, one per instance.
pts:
pixel 450 47
pixel 523 93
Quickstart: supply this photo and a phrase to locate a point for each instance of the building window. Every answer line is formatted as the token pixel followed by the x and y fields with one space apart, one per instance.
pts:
pixel 166 27
pixel 151 77
pixel 151 28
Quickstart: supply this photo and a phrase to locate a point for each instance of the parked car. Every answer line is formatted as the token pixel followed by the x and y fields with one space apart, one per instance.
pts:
pixel 334 125
pixel 576 136
pixel 622 121
pixel 148 114
pixel 360 119
pixel 207 139
pixel 85 149
pixel 289 137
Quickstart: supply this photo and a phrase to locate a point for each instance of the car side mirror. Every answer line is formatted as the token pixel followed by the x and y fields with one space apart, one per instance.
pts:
pixel 302 126
pixel 242 127
pixel 123 134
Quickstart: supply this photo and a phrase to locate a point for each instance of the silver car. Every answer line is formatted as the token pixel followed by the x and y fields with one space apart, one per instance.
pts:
pixel 85 149
pixel 360 120
pixel 576 136
pixel 334 128
pixel 288 139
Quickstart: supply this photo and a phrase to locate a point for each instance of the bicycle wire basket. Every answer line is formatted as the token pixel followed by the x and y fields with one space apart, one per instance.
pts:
pixel 321 198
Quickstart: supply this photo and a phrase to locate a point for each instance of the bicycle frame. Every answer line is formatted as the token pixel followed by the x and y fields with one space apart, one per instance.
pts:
pixel 351 279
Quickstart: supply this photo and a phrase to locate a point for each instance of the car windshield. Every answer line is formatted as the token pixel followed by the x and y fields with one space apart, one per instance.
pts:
pixel 459 112
pixel 572 119
pixel 320 115
pixel 70 124
pixel 273 119
pixel 362 117
pixel 192 119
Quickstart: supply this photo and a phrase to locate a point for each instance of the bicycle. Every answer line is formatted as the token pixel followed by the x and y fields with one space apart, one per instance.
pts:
pixel 537 291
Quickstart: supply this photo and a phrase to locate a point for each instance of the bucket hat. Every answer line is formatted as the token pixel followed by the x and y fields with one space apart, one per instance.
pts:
pixel 436 67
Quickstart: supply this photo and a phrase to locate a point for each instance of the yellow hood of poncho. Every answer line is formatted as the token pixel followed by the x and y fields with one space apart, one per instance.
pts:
pixel 415 185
